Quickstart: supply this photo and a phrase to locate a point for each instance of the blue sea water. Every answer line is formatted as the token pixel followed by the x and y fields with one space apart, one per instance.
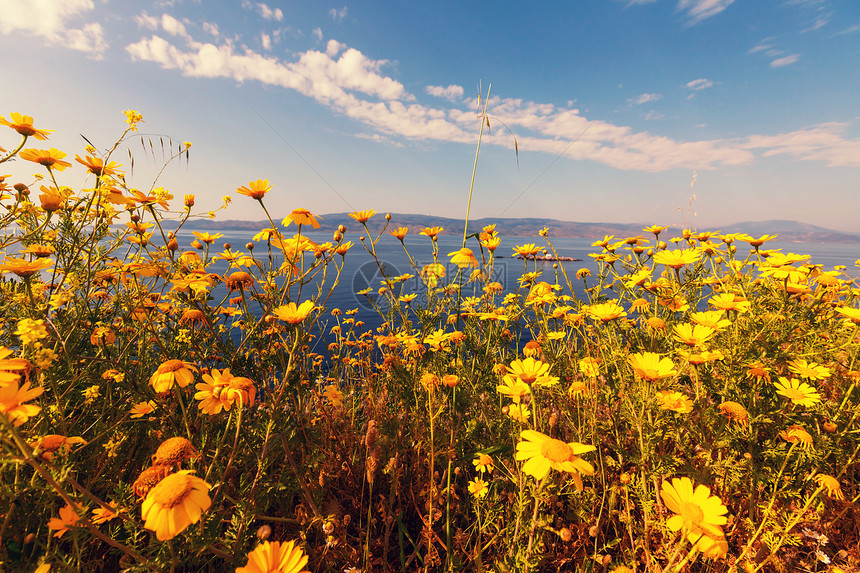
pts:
pixel 361 271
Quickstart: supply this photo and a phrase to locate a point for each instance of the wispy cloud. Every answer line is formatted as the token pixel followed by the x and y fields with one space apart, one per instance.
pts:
pixel 53 20
pixel 700 84
pixel 451 93
pixel 644 98
pixel 766 44
pixel 785 61
pixel 338 15
pixel 698 10
pixel 849 30
pixel 350 83
pixel 693 11
pixel 264 10
pixel 824 142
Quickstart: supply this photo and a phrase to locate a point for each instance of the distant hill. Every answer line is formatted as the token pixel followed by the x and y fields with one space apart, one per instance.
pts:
pixel 793 231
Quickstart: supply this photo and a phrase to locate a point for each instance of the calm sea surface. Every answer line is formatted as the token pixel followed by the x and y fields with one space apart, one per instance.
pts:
pixel 361 271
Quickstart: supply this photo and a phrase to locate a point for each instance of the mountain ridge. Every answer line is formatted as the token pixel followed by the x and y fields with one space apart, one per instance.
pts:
pixel 788 230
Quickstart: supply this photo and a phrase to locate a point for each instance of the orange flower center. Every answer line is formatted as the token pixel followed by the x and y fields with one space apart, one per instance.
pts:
pixel 795 394
pixel 692 513
pixel 556 451
pixel 172 490
pixel 528 377
pixel 171 366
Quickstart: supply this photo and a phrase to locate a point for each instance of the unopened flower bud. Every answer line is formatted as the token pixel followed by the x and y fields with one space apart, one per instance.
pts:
pixel 264 532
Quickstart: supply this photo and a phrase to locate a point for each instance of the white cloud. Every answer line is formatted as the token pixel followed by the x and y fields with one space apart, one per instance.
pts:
pixel 644 98
pixel 338 15
pixel 317 34
pixel 654 115
pixel 785 61
pixel 824 142
pixel 315 73
pixel 51 20
pixel 211 28
pixel 698 10
pixel 848 30
pixel 263 10
pixel 146 21
pixel 700 84
pixel 173 26
pixel 766 44
pixel 349 83
pixel 333 48
pixel 265 41
pixel 450 93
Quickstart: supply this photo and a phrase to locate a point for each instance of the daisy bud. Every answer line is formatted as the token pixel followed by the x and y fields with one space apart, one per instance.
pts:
pixel 565 534
pixel 264 532
pixel 341 229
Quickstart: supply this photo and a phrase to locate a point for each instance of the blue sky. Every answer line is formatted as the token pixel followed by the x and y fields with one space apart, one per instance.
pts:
pixel 686 112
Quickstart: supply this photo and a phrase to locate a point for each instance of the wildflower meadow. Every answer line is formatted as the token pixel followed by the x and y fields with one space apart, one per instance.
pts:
pixel 169 402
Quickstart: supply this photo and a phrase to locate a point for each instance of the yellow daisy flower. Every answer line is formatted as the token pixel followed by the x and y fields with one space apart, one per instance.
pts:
pixel 809 370
pixel 464 258
pixel 542 453
pixel 68 519
pixel 797 434
pixel 275 557
pixel 363 216
pixel 798 392
pixel 175 503
pixel 650 366
pixel 677 258
pixel 483 463
pixel 693 334
pixel 831 484
pixel 301 217
pixel 478 488
pixel 734 412
pixel 606 311
pixel 514 388
pixel 255 189
pixel 674 401
pixel 294 314
pixel 697 512
pixel 169 372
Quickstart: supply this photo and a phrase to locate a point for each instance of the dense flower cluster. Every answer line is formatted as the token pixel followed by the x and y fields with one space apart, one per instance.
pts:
pixel 170 401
